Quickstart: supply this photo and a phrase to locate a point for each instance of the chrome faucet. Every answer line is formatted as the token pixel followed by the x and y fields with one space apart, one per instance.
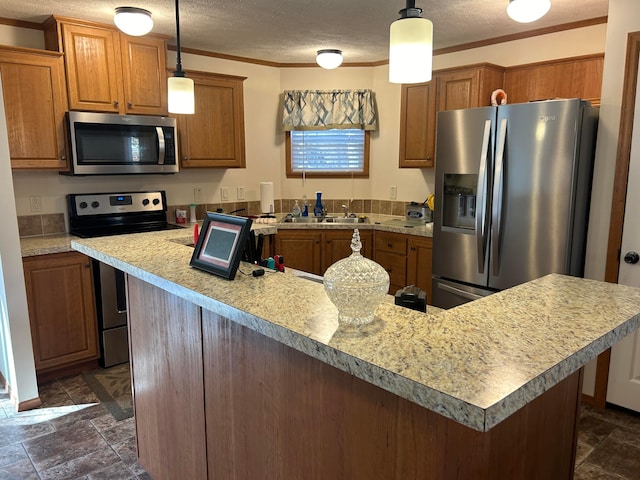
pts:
pixel 346 211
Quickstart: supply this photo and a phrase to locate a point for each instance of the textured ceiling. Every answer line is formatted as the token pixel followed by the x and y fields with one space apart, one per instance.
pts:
pixel 290 31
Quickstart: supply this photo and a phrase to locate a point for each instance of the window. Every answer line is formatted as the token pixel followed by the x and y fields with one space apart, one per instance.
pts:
pixel 328 153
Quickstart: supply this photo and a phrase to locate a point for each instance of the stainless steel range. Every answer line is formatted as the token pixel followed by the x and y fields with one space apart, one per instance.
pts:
pixel 105 214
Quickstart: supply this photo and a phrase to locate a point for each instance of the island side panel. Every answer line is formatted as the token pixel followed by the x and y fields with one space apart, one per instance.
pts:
pixel 166 368
pixel 273 412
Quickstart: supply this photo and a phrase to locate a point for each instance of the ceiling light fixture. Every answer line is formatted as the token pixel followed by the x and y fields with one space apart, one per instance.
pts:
pixel 133 21
pixel 526 11
pixel 329 58
pixel 410 46
pixel 181 91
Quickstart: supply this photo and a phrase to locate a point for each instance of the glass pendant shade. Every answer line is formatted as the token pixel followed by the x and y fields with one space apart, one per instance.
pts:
pixel 526 11
pixel 133 21
pixel 181 95
pixel 329 59
pixel 410 50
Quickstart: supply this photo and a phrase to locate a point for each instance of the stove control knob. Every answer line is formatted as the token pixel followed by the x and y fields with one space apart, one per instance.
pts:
pixel 145 202
pixel 156 201
pixel 83 205
pixel 95 204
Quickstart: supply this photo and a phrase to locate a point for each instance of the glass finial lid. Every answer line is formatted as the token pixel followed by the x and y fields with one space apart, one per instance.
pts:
pixel 356 285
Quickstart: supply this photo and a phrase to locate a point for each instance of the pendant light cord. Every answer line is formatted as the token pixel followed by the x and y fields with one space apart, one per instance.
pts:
pixel 178 72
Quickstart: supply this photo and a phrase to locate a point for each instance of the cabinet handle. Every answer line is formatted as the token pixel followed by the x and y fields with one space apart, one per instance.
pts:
pixel 428 159
pixel 388 270
pixel 185 157
pixel 389 245
pixel 413 249
pixel 129 105
pixel 116 103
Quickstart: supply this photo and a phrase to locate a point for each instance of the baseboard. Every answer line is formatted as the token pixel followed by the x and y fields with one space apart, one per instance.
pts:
pixel 19 406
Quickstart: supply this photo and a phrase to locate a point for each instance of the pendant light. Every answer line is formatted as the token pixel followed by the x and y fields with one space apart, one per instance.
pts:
pixel 329 58
pixel 181 96
pixel 410 46
pixel 526 11
pixel 133 21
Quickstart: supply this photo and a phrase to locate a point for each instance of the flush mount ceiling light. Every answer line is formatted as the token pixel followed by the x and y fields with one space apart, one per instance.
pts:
pixel 410 46
pixel 133 21
pixel 181 92
pixel 526 11
pixel 329 58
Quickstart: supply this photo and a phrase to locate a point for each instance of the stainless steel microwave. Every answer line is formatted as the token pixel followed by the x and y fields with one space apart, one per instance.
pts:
pixel 112 144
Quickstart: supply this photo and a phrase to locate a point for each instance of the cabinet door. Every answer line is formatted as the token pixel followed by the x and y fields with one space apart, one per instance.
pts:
pixel 337 245
pixel 391 253
pixel 144 63
pixel 417 125
pixel 61 309
pixel 35 102
pixel 300 249
pixel 94 70
pixel 419 255
pixel 468 87
pixel 214 135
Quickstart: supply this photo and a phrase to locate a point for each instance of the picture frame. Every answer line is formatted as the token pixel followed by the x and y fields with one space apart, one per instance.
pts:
pixel 221 244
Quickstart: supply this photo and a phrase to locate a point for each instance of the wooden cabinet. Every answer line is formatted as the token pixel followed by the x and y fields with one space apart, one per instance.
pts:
pixel 578 77
pixel 214 135
pixel 62 313
pixel 35 102
pixel 419 258
pixel 314 251
pixel 108 71
pixel 418 125
pixel 448 90
pixel 407 260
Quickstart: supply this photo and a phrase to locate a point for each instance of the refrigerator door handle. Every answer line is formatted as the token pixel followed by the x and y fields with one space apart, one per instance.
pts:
pixel 497 198
pixel 459 292
pixel 481 194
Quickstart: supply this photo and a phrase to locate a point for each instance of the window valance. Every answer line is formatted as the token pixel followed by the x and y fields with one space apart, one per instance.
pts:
pixel 324 110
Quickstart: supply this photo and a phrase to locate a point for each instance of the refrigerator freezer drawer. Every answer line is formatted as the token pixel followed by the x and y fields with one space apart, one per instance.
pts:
pixel 115 345
pixel 447 294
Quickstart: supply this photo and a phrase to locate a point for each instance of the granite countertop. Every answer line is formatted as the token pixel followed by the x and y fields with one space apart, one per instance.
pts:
pixel 60 243
pixel 476 364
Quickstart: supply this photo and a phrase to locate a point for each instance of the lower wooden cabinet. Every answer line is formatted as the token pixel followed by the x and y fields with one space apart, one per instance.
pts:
pixel 62 311
pixel 314 251
pixel 407 260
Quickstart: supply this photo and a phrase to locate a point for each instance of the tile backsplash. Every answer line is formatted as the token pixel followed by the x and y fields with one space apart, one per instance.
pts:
pixel 31 225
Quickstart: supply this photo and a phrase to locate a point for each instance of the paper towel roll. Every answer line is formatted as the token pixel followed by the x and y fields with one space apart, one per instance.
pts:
pixel 266 197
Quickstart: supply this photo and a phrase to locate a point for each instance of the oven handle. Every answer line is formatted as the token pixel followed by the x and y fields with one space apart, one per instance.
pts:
pixel 161 145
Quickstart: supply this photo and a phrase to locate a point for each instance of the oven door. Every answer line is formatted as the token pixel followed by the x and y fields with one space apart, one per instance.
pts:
pixel 108 144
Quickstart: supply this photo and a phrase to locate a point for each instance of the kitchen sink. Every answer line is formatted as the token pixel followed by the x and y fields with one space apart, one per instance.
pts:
pixel 328 219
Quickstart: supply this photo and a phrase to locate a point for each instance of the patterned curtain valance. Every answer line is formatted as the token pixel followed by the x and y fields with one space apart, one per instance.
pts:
pixel 324 110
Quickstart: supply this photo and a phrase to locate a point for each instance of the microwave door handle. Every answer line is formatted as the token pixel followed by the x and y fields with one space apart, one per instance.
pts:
pixel 161 145
pixel 481 194
pixel 497 197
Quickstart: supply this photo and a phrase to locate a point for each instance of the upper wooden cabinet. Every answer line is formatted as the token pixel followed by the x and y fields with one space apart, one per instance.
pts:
pixel 108 71
pixel 577 77
pixel 35 102
pixel 214 135
pixel 448 90
pixel 417 125
pixel 467 87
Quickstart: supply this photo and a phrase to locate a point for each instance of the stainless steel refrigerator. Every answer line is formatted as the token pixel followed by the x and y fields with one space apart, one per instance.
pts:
pixel 513 186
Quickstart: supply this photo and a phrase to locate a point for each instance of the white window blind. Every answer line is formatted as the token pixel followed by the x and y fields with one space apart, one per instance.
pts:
pixel 327 151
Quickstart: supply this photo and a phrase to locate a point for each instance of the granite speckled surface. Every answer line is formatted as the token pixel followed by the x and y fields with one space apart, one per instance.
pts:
pixel 476 364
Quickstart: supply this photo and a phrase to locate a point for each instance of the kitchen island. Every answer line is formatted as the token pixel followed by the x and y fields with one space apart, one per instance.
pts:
pixel 254 378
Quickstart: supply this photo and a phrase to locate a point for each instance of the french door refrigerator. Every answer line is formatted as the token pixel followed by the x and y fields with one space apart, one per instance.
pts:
pixel 513 186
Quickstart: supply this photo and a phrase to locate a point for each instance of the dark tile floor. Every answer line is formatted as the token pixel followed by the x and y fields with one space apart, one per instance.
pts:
pixel 73 436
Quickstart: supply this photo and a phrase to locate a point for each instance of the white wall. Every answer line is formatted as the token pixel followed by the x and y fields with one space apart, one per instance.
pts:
pixel 16 352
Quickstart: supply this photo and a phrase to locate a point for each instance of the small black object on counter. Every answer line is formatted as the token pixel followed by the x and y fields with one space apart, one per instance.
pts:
pixel 412 297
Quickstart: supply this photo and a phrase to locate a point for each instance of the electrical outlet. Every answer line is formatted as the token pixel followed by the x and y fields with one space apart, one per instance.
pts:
pixel 36 203
pixel 393 193
pixel 197 195
pixel 240 193
pixel 224 194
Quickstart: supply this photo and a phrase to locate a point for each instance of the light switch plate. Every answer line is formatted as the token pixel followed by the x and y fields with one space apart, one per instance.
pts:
pixel 224 193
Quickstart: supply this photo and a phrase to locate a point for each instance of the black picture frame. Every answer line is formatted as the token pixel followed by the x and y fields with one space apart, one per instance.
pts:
pixel 221 243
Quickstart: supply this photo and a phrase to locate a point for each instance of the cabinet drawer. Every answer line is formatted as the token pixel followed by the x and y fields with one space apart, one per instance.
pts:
pixel 395 265
pixel 391 242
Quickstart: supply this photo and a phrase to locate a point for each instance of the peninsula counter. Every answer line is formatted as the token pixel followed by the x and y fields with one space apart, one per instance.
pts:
pixel 254 378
